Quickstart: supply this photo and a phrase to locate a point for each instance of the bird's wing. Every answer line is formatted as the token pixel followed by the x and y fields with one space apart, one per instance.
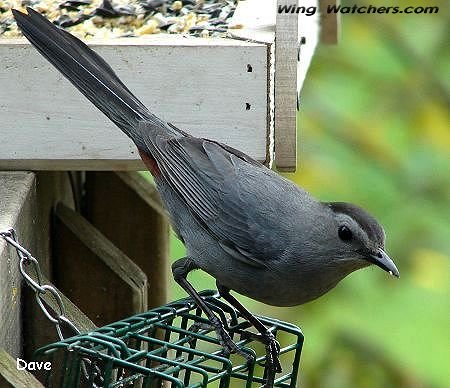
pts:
pixel 227 192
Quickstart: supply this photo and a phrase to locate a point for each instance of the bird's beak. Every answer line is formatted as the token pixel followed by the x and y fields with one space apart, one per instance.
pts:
pixel 382 260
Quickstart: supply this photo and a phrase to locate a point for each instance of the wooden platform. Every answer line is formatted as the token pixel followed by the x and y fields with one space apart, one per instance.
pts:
pixel 199 85
pixel 241 91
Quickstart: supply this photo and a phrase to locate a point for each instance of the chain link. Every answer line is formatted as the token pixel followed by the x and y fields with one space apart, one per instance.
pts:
pixel 27 261
pixel 58 318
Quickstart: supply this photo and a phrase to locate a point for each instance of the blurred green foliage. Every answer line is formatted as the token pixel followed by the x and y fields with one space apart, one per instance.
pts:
pixel 374 130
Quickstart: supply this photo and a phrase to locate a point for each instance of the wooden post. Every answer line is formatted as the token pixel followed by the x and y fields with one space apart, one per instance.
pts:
pixel 26 202
pixel 127 209
pixel 330 23
pixel 93 272
pixel 16 211
pixel 286 54
pixel 277 21
pixel 51 188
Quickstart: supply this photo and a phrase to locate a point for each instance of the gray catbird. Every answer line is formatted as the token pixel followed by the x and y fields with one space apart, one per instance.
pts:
pixel 252 230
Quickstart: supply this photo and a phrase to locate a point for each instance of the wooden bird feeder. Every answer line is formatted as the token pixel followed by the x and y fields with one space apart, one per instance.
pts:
pixel 242 91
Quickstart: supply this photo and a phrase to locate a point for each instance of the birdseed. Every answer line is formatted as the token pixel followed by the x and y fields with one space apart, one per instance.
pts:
pixel 126 18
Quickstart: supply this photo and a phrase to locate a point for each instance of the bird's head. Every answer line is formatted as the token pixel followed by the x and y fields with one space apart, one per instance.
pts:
pixel 358 238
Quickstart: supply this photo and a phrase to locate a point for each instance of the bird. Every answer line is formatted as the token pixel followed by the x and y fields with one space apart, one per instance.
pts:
pixel 257 233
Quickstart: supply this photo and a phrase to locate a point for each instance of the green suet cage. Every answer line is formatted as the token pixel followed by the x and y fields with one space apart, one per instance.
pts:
pixel 170 346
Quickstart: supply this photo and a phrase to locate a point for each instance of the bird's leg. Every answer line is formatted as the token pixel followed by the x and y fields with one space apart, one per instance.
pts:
pixel 180 270
pixel 273 365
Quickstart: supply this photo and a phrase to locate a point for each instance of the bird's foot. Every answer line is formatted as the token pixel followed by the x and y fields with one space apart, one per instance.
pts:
pixel 225 340
pixel 273 364
pixel 272 346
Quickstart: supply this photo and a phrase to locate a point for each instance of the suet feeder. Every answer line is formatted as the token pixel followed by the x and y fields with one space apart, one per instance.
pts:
pixel 169 345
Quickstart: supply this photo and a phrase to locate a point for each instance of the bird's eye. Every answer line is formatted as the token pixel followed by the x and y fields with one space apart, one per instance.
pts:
pixel 345 233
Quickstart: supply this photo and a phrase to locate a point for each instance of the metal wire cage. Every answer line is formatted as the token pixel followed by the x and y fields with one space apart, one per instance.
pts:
pixel 170 346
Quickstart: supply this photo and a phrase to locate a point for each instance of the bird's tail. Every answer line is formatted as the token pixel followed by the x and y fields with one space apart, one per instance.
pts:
pixel 89 73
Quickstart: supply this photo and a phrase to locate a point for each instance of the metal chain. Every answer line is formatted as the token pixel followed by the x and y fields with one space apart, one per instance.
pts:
pixel 26 260
pixel 58 318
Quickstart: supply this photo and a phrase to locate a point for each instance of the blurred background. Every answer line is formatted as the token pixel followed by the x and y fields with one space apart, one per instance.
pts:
pixel 374 129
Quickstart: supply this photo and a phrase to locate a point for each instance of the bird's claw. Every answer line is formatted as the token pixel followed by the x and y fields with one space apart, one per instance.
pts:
pixel 230 347
pixel 272 347
pixel 272 353
pixel 272 364
pixel 225 340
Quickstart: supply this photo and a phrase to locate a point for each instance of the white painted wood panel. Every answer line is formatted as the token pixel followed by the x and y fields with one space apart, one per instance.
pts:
pixel 201 85
pixel 262 23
